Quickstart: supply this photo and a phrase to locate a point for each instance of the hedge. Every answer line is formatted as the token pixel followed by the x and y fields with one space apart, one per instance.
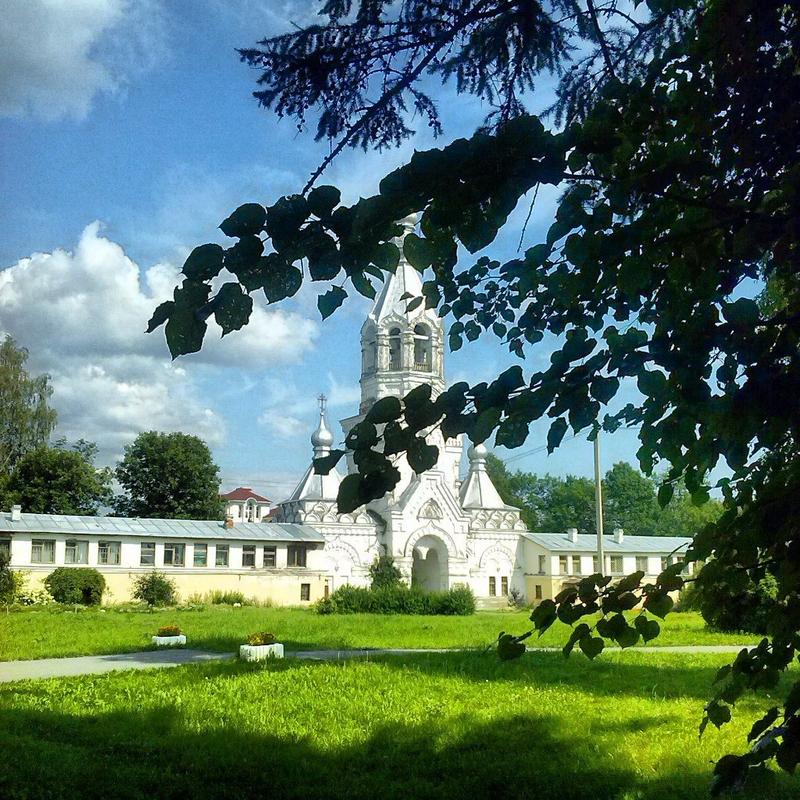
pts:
pixel 76 585
pixel 398 600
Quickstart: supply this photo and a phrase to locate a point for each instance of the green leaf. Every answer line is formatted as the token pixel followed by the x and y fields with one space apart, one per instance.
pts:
pixel 591 646
pixel 421 455
pixel 544 615
pixel 349 496
pixel 384 410
pixel 324 464
pixel 160 315
pixel 323 199
pixel 281 281
pixel 665 493
pixel 556 434
pixel 362 285
pixel 328 303
pixel 659 603
pixel 577 634
pixel 717 713
pixel 184 331
pixel 648 628
pixel 762 724
pixel 418 251
pixel 204 262
pixel 247 220
pixel 509 647
pixel 604 389
pixel 232 308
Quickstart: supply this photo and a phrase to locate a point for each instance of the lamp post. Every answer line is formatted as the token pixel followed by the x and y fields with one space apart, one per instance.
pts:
pixel 598 503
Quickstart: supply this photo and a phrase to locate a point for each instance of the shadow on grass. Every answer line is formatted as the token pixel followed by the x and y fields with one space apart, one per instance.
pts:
pixel 135 755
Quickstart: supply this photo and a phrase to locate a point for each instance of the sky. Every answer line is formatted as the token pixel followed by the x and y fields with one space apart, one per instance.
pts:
pixel 128 132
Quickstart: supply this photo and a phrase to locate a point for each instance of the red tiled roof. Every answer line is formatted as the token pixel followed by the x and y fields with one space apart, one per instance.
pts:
pixel 244 493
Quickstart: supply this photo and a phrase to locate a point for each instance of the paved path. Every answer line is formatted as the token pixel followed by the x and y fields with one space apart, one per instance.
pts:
pixel 153 659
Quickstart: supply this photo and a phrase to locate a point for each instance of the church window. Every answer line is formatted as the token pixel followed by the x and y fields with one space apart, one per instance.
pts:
pixel 504 586
pixel 422 348
pixel 305 591
pixel 296 555
pixel 249 555
pixel 270 555
pixel 394 348
pixel 492 586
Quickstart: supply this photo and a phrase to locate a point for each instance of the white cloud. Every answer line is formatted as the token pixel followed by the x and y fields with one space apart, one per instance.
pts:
pixel 57 55
pixel 83 314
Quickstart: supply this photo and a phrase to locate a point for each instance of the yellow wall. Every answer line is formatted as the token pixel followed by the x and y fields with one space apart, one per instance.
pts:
pixel 279 587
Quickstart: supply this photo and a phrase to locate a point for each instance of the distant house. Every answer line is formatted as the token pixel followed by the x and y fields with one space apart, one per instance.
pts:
pixel 244 505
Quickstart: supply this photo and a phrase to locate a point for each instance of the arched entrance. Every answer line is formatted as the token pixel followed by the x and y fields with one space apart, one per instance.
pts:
pixel 429 568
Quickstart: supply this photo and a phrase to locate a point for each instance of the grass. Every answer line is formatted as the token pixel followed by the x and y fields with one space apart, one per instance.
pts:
pixel 46 633
pixel 423 726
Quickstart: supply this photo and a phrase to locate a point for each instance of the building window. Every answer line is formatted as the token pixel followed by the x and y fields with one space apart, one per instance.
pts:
pixel 305 591
pixel 221 557
pixel 327 590
pixel 641 564
pixel 108 553
pixel 616 565
pixel 504 586
pixel 249 555
pixel 595 565
pixel 422 348
pixel 251 512
pixel 562 565
pixel 492 586
pixel 174 554
pixel 200 555
pixel 537 591
pixel 394 348
pixel 270 555
pixel 296 555
pixel 664 563
pixel 576 565
pixel 76 552
pixel 147 554
pixel 43 551
pixel 542 564
pixel 5 549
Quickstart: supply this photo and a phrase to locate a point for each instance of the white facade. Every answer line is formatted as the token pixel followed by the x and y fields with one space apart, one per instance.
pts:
pixel 440 530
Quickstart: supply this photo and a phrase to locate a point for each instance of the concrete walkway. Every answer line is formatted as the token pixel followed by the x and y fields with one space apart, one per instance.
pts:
pixel 154 659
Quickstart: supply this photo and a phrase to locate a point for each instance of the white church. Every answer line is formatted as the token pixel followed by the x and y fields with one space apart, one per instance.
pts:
pixel 441 528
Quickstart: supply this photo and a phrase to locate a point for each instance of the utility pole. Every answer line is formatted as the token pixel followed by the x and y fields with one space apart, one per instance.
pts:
pixel 598 504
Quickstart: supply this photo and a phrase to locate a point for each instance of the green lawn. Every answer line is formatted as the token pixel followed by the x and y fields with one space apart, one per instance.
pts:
pixel 37 633
pixel 426 726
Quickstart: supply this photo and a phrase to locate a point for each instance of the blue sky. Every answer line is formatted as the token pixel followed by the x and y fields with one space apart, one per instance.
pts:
pixel 129 132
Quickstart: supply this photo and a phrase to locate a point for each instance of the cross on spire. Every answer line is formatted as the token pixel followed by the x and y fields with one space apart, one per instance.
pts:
pixel 322 403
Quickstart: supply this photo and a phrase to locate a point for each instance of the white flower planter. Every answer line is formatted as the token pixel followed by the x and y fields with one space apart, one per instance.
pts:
pixel 260 652
pixel 169 641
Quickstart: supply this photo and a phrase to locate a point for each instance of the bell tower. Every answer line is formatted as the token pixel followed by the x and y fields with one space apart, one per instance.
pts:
pixel 400 349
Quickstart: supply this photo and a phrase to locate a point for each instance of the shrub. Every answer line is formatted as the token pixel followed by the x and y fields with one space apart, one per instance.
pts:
pixel 261 638
pixel 383 573
pixel 750 609
pixel 227 598
pixel 155 589
pixel 76 585
pixel 398 599
pixel 11 583
pixel 169 630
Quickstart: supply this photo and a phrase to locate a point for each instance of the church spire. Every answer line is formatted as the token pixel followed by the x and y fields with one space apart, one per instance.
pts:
pixel 401 349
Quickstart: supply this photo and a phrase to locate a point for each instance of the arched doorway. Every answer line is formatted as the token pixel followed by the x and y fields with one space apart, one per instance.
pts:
pixel 429 567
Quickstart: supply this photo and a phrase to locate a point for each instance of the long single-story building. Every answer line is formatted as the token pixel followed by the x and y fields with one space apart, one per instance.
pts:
pixel 281 562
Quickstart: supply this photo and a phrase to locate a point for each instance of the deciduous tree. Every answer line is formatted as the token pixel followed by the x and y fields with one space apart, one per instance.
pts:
pixel 679 164
pixel 168 475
